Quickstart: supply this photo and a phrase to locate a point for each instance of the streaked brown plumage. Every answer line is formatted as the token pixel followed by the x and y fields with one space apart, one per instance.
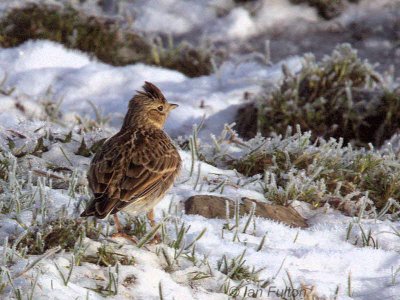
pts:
pixel 135 167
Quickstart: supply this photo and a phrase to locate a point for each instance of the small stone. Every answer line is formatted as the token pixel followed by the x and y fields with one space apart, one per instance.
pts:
pixel 210 206
pixel 207 206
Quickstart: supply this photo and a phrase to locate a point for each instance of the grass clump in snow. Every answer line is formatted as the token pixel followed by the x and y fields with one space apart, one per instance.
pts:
pixel 62 232
pixel 106 39
pixel 341 96
pixel 68 26
pixel 236 269
pixel 191 61
pixel 106 257
pixel 327 9
pixel 295 167
pixel 136 226
pixel 364 238
pixel 4 167
pixel 323 172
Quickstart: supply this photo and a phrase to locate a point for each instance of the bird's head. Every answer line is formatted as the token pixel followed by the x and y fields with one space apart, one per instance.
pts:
pixel 148 107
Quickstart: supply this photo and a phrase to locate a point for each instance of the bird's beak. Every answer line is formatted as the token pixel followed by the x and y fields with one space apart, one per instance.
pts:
pixel 172 106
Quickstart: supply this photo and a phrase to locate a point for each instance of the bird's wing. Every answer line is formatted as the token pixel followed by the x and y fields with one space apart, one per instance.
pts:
pixel 127 169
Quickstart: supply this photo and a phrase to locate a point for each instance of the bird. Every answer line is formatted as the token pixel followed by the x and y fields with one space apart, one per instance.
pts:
pixel 134 168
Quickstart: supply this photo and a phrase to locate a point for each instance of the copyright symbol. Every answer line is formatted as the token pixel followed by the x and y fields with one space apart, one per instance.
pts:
pixel 234 291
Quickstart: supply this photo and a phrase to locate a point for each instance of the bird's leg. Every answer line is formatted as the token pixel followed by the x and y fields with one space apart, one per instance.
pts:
pixel 117 223
pixel 150 216
pixel 121 233
pixel 157 237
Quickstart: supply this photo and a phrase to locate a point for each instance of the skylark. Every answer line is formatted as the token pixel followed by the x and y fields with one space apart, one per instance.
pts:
pixel 135 167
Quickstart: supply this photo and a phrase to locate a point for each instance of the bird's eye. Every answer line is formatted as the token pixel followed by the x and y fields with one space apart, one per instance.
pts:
pixel 160 108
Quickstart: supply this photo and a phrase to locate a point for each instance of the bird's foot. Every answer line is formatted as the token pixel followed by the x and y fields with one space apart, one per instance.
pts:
pixel 156 239
pixel 130 238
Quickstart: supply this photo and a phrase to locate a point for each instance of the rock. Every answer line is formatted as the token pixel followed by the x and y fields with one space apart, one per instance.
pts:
pixel 207 206
pixel 215 207
pixel 285 214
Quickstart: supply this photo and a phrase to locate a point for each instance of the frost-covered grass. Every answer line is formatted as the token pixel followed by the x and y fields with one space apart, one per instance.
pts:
pixel 48 249
pixel 46 220
pixel 327 9
pixel 198 257
pixel 341 96
pixel 58 105
pixel 105 38
pixel 294 167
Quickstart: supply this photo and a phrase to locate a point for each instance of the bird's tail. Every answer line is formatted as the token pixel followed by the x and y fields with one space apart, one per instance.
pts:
pixel 100 207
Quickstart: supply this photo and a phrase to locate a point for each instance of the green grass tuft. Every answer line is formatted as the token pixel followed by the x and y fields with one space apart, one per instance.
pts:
pixel 236 269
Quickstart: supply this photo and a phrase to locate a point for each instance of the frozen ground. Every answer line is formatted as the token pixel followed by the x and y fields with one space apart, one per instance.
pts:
pixel 327 259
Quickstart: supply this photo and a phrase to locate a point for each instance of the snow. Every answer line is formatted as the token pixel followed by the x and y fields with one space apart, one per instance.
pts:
pixel 319 256
pixel 239 24
pixel 74 80
pixel 235 22
pixel 43 55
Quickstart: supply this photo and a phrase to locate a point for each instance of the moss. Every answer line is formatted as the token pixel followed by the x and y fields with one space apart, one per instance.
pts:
pixel 103 38
pixel 340 96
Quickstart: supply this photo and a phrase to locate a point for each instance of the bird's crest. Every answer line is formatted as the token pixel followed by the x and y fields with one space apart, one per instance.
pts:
pixel 152 92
